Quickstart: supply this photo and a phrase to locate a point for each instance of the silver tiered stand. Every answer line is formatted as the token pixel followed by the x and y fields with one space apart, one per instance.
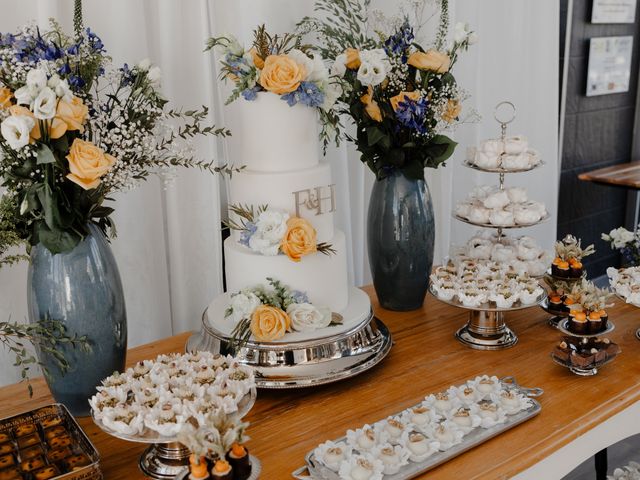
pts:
pixel 486 328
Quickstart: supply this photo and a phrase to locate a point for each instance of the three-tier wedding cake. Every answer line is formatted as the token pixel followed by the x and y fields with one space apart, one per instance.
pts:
pixel 285 185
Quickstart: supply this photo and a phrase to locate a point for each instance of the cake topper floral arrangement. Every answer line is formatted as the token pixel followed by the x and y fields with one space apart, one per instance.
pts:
pixel 284 66
pixel 270 312
pixel 270 231
pixel 401 94
pixel 75 130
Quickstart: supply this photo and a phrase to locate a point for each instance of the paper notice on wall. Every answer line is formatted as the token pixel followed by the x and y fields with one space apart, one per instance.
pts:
pixel 613 11
pixel 609 65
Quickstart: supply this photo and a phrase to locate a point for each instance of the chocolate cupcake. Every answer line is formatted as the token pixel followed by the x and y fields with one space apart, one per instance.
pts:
pixel 198 468
pixel 554 266
pixel 567 304
pixel 578 324
pixel 222 470
pixel 238 457
pixel 555 303
pixel 604 316
pixel 575 268
pixel 595 322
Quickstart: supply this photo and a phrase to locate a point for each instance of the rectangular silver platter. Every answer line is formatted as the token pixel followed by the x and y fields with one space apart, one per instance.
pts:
pixel 412 470
pixel 82 442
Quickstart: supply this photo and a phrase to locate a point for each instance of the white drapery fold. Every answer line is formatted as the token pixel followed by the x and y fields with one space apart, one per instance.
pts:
pixel 169 246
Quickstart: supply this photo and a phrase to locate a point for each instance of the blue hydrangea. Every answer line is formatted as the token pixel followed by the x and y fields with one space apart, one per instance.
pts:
pixel 250 93
pixel 247 233
pixel 299 297
pixel 307 94
pixel 412 114
pixel 398 43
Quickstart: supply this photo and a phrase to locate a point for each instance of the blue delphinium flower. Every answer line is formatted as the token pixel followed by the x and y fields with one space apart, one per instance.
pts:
pixel 76 82
pixel 412 114
pixel 250 93
pixel 94 41
pixel 307 94
pixel 7 39
pixel 398 43
pixel 247 233
pixel 299 297
pixel 127 75
pixel 65 69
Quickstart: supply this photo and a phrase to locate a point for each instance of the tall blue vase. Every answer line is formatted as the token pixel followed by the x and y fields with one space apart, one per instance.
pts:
pixel 400 237
pixel 82 289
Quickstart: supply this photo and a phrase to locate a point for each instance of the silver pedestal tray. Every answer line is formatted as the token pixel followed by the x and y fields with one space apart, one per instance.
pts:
pixel 486 328
pixel 166 458
pixel 280 365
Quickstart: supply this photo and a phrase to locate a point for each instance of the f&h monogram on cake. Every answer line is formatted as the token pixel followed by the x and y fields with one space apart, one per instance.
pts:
pixel 319 199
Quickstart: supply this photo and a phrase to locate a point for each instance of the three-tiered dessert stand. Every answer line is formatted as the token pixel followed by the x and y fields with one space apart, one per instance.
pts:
pixel 486 328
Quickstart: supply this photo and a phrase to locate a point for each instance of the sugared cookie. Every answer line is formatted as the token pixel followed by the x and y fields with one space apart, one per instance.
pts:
pixel 29 440
pixel 51 422
pixel 77 461
pixel 46 473
pixel 60 442
pixel 26 429
pixel 7 461
pixel 4 437
pixel 59 454
pixel 11 474
pixel 6 448
pixel 32 464
pixel 31 452
pixel 57 431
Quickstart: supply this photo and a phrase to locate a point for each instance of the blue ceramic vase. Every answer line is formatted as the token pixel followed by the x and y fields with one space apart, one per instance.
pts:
pixel 82 289
pixel 400 236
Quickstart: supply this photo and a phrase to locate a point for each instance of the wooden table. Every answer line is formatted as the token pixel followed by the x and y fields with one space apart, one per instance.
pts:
pixel 425 359
pixel 623 175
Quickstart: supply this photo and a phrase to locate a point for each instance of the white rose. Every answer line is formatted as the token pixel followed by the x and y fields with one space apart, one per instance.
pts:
pixel 60 87
pixel 45 104
pixel 242 305
pixel 25 95
pixel 339 66
pixel 301 58
pixel 16 130
pixel 271 225
pixel 319 72
pixel 155 74
pixel 306 317
pixel 373 67
pixel 461 32
pixel 36 78
pixel 144 64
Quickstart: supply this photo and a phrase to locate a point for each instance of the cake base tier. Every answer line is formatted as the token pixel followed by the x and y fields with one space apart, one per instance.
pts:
pixel 486 331
pixel 362 342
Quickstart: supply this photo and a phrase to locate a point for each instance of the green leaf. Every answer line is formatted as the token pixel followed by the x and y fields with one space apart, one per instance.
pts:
pixel 374 135
pixel 56 241
pixel 447 147
pixel 44 155
pixel 413 170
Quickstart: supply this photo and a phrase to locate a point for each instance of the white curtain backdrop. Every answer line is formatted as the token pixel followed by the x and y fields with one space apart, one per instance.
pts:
pixel 169 246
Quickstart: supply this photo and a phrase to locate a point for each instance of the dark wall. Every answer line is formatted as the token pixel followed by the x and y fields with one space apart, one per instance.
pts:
pixel 598 133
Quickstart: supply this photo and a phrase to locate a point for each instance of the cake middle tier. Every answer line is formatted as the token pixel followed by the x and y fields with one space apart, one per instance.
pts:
pixel 322 277
pixel 308 193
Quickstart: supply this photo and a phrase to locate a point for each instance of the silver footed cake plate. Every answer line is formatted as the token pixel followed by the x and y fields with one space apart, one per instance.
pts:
pixel 501 227
pixel 304 363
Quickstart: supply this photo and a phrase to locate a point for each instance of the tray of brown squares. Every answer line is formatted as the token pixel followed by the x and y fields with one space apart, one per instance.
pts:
pixel 584 355
pixel 44 444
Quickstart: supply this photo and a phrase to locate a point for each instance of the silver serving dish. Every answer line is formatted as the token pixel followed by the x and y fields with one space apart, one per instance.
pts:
pixel 502 227
pixel 256 470
pixel 467 163
pixel 583 371
pixel 564 328
pixel 304 363
pixel 314 471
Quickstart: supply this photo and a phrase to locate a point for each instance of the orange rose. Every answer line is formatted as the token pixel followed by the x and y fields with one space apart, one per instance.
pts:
pixel 88 164
pixel 451 110
pixel 299 240
pixel 353 58
pixel 432 60
pixel 57 127
pixel 402 97
pixel 5 97
pixel 258 61
pixel 73 113
pixel 371 106
pixel 281 74
pixel 269 323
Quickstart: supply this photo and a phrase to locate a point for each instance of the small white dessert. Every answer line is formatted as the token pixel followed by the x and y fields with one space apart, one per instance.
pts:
pixel 393 457
pixel 503 253
pixel 331 454
pixel 528 248
pixel 492 145
pixel 525 215
pixel 123 419
pixel 465 418
pixel 361 467
pixel 502 218
pixel 447 434
pixel 491 414
pixel 516 144
pixel 421 416
pixel 487 385
pixel 365 438
pixel 512 402
pixel 442 402
pixel 419 446
pixel 530 295
pixel 521 161
pixel 487 160
pixel 393 428
pixel 446 290
pixel 479 248
pixel 504 298
pixel 479 214
pixel 496 200
pixel 467 394
pixel 463 209
pixel 471 297
pixel 517 194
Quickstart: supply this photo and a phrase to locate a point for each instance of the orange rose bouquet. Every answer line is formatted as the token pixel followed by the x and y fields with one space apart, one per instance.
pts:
pixel 74 130
pixel 268 313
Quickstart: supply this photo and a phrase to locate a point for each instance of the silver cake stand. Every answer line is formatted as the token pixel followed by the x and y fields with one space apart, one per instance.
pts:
pixel 486 328
pixel 280 365
pixel 590 370
pixel 166 458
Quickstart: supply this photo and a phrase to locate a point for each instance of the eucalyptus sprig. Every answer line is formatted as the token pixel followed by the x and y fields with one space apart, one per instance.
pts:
pixel 47 336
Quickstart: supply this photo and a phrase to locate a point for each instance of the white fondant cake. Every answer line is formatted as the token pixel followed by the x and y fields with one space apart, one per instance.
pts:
pixel 277 137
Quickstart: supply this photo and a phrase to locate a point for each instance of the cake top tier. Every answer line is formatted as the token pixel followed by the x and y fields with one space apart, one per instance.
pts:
pixel 276 137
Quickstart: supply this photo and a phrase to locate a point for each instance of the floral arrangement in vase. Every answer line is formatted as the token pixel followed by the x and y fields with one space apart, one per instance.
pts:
pixel 75 130
pixel 270 231
pixel 284 66
pixel 269 313
pixel 628 243
pixel 402 97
